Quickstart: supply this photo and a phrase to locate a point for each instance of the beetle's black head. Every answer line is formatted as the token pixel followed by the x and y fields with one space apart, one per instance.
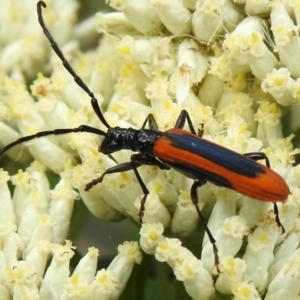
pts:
pixel 113 141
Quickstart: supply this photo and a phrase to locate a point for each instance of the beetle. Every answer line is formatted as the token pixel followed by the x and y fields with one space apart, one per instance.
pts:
pixel 185 151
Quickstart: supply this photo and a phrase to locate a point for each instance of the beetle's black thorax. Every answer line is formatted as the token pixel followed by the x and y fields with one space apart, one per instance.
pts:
pixel 137 140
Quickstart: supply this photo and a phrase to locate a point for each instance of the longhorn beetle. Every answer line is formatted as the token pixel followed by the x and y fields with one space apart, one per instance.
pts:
pixel 184 151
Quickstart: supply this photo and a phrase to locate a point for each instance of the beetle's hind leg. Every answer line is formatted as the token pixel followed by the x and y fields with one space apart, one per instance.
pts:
pixel 262 156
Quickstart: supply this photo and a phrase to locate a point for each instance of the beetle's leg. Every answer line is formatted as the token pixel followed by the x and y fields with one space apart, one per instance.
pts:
pixel 194 197
pixel 277 219
pixel 136 161
pixel 262 156
pixel 152 123
pixel 182 119
pixel 116 169
pixel 200 130
pixel 258 156
pixel 140 160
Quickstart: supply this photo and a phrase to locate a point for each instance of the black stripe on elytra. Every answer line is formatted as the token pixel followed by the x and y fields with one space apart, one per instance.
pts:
pixel 223 157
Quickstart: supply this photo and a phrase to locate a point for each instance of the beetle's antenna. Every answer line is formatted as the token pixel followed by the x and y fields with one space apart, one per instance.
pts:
pixel 77 79
pixel 82 128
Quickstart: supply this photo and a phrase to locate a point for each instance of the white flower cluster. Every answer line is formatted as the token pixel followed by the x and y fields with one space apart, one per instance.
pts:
pixel 232 65
pixel 23 45
pixel 34 224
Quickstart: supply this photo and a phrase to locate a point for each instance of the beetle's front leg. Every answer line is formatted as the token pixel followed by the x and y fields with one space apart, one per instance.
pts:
pixel 142 159
pixel 136 161
pixel 152 123
pixel 116 169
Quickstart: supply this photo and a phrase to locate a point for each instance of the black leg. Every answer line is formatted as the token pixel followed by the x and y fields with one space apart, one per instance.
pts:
pixel 137 160
pixel 182 119
pixel 258 156
pixel 194 197
pixel 201 130
pixel 152 123
pixel 135 165
pixel 277 219
pixel 116 169
pixel 262 156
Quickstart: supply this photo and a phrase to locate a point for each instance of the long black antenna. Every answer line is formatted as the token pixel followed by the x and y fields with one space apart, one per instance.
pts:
pixel 81 128
pixel 77 79
pixel 94 102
